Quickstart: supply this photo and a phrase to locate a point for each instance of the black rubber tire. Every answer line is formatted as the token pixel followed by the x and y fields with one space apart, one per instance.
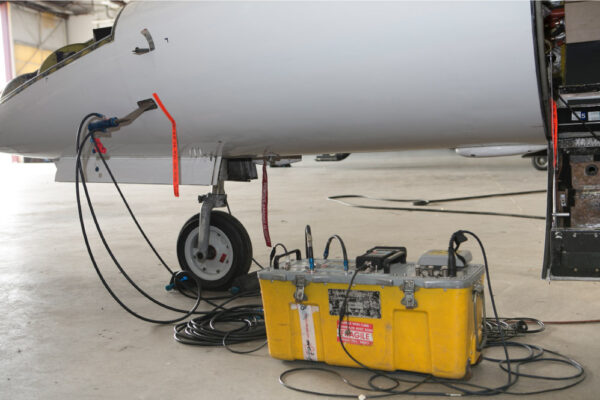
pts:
pixel 540 162
pixel 240 242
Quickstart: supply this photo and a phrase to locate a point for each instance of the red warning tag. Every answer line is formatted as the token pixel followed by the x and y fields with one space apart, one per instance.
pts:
pixel 265 204
pixel 356 333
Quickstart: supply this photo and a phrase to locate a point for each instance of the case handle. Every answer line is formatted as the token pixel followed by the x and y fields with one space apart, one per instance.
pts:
pixel 276 259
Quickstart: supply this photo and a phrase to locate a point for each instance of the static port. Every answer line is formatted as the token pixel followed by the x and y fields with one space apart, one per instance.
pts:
pixel 591 170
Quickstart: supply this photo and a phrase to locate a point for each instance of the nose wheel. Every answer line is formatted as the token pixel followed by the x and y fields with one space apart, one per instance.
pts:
pixel 540 162
pixel 229 252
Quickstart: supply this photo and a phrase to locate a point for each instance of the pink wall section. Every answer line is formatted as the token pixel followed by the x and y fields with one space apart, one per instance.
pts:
pixel 6 45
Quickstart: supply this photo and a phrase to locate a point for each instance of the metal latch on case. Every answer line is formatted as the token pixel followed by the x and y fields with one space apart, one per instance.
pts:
pixel 409 300
pixel 300 283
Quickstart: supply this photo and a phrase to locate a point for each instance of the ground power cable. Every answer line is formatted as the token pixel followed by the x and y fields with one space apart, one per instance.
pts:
pixel 80 175
pixel 338 199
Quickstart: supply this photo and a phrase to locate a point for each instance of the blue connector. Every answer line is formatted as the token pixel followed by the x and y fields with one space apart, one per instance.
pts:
pixel 309 248
pixel 103 124
pixel 171 286
pixel 345 265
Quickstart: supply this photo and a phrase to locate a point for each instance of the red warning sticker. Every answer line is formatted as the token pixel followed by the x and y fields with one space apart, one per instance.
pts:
pixel 356 333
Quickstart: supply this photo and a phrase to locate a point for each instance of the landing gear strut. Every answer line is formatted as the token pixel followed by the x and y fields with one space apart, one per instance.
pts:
pixel 213 245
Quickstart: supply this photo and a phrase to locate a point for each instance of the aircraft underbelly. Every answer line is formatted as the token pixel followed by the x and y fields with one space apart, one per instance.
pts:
pixel 247 79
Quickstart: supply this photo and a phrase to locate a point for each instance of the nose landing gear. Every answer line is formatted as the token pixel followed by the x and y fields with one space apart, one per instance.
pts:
pixel 213 245
pixel 229 253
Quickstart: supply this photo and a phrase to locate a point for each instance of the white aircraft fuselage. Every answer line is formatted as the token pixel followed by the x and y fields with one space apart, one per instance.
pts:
pixel 249 79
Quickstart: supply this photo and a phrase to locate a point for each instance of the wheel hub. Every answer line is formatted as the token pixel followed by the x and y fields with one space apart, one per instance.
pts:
pixel 212 253
pixel 219 258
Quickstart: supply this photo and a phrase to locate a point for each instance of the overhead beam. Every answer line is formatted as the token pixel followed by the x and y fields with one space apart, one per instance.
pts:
pixel 41 8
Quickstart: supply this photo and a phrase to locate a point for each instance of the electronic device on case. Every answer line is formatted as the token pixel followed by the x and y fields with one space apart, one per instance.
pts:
pixel 381 257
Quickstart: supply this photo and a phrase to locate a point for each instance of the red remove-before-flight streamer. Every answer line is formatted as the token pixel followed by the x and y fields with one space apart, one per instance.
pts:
pixel 174 144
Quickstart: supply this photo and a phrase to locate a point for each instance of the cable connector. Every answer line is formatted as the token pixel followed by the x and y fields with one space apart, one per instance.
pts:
pixel 97 145
pixel 345 254
pixel 103 124
pixel 451 261
pixel 456 239
pixel 175 279
pixel 309 248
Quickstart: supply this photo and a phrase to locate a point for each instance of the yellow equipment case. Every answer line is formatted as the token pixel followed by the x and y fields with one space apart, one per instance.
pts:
pixel 412 318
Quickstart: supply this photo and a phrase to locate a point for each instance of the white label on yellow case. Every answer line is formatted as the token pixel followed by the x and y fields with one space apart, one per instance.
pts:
pixel 307 330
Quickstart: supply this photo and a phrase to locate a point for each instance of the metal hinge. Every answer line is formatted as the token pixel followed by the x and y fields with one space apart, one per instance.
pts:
pixel 300 283
pixel 409 300
pixel 150 47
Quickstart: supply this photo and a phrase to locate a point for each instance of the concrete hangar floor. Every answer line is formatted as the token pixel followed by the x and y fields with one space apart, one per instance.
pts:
pixel 61 335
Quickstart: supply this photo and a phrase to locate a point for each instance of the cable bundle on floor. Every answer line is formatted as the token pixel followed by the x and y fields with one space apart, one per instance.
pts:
pixel 498 330
pixel 225 327
pixel 431 386
pixel 511 328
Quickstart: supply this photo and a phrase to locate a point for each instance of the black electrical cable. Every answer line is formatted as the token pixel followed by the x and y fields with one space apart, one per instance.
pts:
pixel 533 351
pixel 125 202
pixel 494 309
pixel 504 329
pixel 286 373
pixel 188 288
pixel 395 382
pixel 337 199
pixel 573 322
pixel 578 377
pixel 274 253
pixel 81 175
pixel 344 252
pixel 512 327
pixel 175 276
pixel 248 321
pixel 257 263
pixel 423 202
pixel 226 341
